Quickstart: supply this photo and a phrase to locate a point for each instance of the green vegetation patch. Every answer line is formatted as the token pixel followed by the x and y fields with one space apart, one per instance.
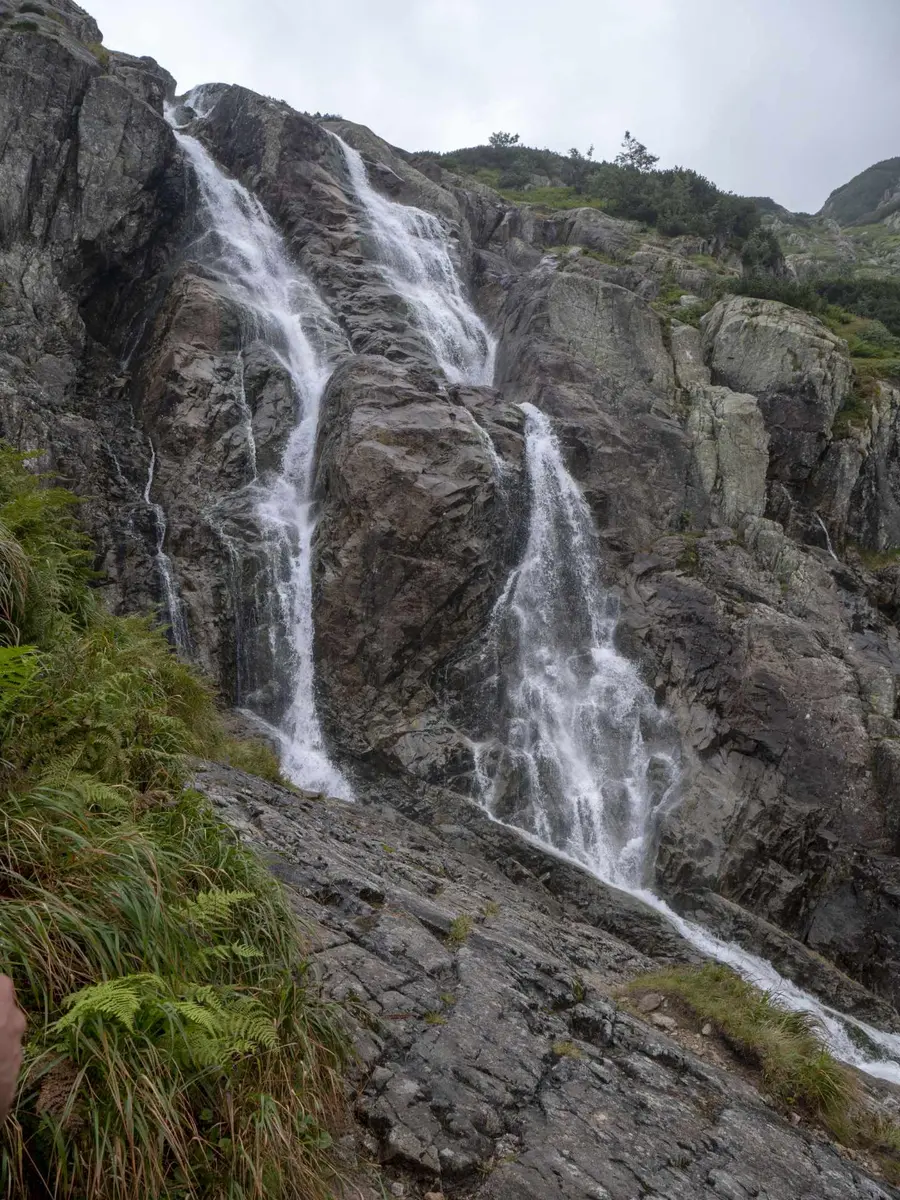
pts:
pixel 676 201
pixel 256 757
pixel 876 299
pixel 786 1049
pixel 177 1047
pixel 460 928
pixel 553 198
pixel 99 52
pixel 855 415
pixel 877 560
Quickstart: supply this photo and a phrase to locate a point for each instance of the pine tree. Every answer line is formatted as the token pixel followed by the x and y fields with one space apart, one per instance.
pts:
pixel 635 156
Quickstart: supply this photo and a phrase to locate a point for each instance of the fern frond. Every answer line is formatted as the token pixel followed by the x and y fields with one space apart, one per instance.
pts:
pixel 212 908
pixel 117 1000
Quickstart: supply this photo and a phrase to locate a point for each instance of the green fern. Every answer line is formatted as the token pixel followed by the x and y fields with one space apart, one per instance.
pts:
pixel 212 909
pixel 18 667
pixel 211 1025
pixel 117 1000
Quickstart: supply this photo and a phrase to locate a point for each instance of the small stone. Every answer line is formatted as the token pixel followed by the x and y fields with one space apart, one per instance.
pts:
pixel 707 1030
pixel 795 1118
pixel 649 1002
pixel 397 1189
pixel 661 1021
pixel 434 1196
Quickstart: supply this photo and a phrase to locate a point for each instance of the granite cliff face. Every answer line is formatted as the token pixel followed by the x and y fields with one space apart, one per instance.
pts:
pixel 734 508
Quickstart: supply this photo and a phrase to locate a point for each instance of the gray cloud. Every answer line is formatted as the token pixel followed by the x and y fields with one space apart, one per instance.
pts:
pixel 787 98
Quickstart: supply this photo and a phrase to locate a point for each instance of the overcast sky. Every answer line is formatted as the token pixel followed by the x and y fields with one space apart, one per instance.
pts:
pixel 786 98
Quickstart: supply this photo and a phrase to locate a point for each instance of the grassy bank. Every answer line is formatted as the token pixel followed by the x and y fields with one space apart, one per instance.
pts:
pixel 176 1046
pixel 786 1050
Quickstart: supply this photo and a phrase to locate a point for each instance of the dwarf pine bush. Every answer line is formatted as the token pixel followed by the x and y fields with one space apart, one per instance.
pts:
pixel 177 1047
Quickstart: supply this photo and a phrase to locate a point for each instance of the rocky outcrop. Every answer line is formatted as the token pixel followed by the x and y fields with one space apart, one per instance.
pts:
pixel 498 1059
pixel 412 552
pixel 92 196
pixel 798 369
pixel 592 355
pixel 731 452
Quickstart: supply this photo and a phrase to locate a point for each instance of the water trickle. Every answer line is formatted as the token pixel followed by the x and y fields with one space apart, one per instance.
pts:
pixel 413 251
pixel 247 418
pixel 582 759
pixel 174 604
pixel 828 545
pixel 279 306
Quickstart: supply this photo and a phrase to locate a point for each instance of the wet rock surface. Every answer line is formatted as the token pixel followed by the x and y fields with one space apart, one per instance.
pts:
pixel 495 1060
pixel 414 503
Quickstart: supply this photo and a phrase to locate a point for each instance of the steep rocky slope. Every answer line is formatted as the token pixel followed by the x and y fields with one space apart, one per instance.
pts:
pixel 503 1063
pixel 730 500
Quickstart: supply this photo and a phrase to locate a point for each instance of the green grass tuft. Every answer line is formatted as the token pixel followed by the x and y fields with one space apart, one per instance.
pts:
pixel 256 757
pixel 177 1046
pixel 460 928
pixel 99 52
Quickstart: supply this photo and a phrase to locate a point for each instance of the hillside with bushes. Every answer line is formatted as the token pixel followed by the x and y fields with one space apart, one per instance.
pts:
pixel 675 201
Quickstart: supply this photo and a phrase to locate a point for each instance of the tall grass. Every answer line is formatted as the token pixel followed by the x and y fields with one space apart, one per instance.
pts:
pixel 177 1047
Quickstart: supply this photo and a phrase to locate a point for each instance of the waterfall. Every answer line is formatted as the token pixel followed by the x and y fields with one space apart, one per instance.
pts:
pixel 828 545
pixel 574 762
pixel 581 760
pixel 278 305
pixel 413 253
pixel 174 604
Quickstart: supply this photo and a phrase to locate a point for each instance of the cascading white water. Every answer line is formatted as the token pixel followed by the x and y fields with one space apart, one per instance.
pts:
pixel 247 256
pixel 574 762
pixel 414 256
pixel 174 603
pixel 575 765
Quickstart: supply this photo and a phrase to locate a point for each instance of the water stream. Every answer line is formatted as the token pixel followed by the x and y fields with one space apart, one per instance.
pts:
pixel 174 604
pixel 582 759
pixel 413 252
pixel 246 255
